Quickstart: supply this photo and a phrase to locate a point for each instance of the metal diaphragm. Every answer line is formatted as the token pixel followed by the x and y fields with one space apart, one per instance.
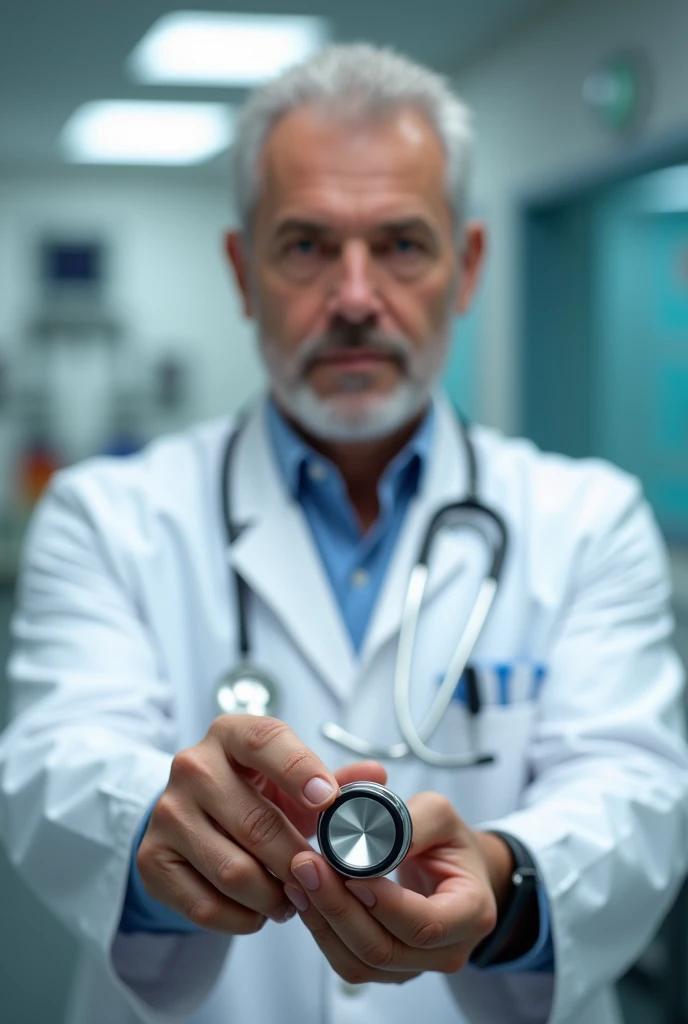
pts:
pixel 366 832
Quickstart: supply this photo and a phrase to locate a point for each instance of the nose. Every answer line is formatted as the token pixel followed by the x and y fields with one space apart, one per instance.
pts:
pixel 355 297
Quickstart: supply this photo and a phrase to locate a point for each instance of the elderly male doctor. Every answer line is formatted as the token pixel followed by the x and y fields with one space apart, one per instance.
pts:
pixel 173 841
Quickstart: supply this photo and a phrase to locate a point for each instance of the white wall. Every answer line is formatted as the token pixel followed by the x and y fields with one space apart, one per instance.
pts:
pixel 169 283
pixel 534 129
pixel 169 278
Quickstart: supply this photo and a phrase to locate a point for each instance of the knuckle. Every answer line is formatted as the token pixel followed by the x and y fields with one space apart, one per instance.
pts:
pixel 335 912
pixel 145 859
pixel 220 726
pixel 261 731
pixel 377 954
pixel 190 766
pixel 299 762
pixel 454 963
pixel 440 806
pixel 355 973
pixel 249 925
pixel 166 812
pixel 230 874
pixel 183 763
pixel 203 912
pixel 481 912
pixel 428 933
pixel 323 935
pixel 401 979
pixel 487 919
pixel 260 825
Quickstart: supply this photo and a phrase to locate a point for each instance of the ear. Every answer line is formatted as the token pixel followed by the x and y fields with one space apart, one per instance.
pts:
pixel 471 261
pixel 235 250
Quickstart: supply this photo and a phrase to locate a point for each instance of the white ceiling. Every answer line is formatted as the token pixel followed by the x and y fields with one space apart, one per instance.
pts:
pixel 57 54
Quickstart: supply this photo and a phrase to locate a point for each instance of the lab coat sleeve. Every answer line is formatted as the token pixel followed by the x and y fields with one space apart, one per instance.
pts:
pixel 89 747
pixel 606 814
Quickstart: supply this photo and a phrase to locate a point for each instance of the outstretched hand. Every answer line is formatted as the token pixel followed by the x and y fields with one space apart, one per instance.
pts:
pixel 376 930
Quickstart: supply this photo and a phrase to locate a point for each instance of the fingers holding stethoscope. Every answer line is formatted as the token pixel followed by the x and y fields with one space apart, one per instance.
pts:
pixel 174 881
pixel 359 946
pixel 215 845
pixel 190 861
pixel 268 747
pixel 370 924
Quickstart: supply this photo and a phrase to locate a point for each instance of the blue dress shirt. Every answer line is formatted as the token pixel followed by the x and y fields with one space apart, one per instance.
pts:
pixel 355 563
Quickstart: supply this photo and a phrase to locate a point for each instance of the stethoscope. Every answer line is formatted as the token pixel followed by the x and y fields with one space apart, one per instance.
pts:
pixel 249 689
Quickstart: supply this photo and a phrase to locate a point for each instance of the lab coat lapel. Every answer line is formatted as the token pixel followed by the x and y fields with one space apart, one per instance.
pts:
pixel 445 480
pixel 277 557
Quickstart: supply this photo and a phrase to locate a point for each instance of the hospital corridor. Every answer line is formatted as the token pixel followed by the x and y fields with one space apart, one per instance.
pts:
pixel 344 512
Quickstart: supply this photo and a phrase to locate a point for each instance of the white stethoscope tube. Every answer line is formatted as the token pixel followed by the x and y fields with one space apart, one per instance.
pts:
pixel 416 738
pixel 248 689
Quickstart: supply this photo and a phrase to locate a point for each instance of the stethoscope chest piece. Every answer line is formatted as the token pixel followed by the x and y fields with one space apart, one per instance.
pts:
pixel 247 690
pixel 366 832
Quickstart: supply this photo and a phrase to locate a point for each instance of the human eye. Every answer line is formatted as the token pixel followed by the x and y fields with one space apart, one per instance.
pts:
pixel 297 248
pixel 399 246
pixel 303 255
pixel 407 246
pixel 404 255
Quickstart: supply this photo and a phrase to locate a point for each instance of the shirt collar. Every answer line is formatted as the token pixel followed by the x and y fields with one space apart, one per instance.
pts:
pixel 294 455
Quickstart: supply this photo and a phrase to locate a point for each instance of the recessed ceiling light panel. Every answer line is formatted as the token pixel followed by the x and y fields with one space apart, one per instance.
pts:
pixel 132 132
pixel 214 48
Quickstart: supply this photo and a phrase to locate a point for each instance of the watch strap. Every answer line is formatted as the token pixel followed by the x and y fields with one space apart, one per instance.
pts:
pixel 524 880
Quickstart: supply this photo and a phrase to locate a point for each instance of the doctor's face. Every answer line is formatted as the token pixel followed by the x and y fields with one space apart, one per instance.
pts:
pixel 352 272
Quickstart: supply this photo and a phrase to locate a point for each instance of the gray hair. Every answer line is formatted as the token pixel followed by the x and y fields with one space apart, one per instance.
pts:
pixel 361 83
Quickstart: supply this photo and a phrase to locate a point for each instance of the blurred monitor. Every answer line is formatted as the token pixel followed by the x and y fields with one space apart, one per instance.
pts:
pixel 72 266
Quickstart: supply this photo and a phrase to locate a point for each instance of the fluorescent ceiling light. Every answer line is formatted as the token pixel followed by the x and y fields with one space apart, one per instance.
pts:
pixel 119 132
pixel 213 48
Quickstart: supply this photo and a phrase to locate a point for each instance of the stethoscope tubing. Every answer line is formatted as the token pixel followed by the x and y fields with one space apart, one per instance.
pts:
pixel 415 738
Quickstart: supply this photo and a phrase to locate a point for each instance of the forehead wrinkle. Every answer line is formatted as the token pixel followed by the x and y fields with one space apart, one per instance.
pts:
pixel 340 213
pixel 309 163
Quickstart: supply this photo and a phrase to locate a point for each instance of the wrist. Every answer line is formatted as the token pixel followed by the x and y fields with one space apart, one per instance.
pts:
pixel 518 919
pixel 500 863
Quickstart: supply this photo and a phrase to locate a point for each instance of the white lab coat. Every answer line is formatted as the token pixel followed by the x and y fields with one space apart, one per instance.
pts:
pixel 125 623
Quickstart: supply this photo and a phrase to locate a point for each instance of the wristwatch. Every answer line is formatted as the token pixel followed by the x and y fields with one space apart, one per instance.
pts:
pixel 524 882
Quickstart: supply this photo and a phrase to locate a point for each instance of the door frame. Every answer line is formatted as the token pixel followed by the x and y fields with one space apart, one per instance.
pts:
pixel 536 210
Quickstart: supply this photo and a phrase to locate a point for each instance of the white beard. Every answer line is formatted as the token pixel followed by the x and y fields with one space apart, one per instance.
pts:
pixel 354 414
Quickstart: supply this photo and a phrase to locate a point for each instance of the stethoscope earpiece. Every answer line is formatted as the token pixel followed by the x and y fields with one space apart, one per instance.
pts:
pixel 366 832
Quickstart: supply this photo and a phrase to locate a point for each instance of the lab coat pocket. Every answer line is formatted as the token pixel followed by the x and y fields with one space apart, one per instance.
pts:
pixel 503 729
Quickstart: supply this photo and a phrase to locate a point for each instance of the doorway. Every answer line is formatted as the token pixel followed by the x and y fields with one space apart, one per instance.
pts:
pixel 605 330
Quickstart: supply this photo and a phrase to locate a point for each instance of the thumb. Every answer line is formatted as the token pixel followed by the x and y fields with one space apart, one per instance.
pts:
pixel 436 823
pixel 306 821
pixel 362 771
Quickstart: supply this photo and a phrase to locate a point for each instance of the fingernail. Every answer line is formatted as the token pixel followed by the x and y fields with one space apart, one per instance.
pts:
pixel 297 897
pixel 317 791
pixel 366 897
pixel 288 914
pixel 307 874
pixel 283 916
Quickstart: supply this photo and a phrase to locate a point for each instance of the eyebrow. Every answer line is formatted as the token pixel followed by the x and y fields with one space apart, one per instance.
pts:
pixel 294 224
pixel 407 224
pixel 318 228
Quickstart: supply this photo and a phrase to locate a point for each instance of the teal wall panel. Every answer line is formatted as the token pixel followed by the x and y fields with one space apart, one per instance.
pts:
pixel 461 379
pixel 605 369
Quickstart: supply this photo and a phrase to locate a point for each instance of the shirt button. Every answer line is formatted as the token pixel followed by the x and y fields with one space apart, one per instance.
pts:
pixel 317 472
pixel 360 578
pixel 348 989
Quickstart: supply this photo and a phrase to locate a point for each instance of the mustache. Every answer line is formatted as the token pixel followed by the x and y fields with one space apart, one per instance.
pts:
pixel 345 336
